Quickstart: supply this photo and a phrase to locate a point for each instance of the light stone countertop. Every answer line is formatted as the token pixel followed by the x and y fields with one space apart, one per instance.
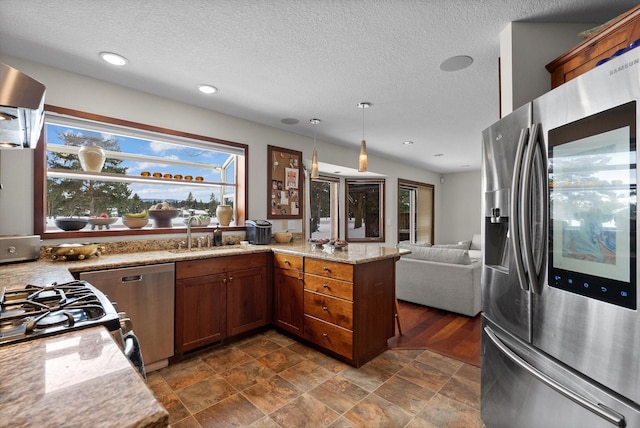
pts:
pixel 45 271
pixel 54 381
pixel 76 379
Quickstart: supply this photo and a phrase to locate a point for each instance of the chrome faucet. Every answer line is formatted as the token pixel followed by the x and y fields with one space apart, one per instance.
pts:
pixel 187 221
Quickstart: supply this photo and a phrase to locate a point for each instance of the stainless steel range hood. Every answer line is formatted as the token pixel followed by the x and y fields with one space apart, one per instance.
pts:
pixel 21 109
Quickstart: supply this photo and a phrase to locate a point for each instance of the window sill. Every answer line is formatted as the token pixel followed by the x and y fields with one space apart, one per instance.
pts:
pixel 59 234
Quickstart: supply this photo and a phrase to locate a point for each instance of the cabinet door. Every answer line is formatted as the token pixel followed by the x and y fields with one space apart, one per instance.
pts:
pixel 200 311
pixel 289 287
pixel 246 300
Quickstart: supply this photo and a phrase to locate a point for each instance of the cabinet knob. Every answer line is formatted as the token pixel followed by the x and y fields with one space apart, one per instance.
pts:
pixel 324 308
pixel 325 285
pixel 230 278
pixel 326 269
pixel 324 334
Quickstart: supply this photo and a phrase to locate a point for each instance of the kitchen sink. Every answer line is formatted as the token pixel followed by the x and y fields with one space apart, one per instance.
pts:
pixel 205 249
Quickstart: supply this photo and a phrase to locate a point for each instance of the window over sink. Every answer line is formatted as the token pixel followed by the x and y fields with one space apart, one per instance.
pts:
pixel 102 169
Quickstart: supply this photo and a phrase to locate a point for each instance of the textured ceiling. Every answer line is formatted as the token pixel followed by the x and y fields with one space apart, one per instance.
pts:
pixel 304 59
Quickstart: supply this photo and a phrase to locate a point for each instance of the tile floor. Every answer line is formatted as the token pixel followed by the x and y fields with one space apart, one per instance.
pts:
pixel 270 380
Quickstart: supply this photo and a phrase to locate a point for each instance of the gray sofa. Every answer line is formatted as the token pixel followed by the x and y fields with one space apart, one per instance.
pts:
pixel 442 276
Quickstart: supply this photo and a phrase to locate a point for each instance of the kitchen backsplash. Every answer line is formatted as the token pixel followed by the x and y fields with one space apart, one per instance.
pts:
pixel 125 247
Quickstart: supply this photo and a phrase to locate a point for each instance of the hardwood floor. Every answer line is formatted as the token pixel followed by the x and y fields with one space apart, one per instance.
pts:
pixel 446 333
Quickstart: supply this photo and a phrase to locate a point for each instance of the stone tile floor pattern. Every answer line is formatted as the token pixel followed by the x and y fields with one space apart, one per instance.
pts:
pixel 270 380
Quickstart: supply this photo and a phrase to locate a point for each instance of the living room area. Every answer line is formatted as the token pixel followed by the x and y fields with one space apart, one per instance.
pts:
pixel 441 323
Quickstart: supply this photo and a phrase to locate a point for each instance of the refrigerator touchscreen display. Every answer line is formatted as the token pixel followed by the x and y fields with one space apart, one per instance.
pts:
pixel 592 206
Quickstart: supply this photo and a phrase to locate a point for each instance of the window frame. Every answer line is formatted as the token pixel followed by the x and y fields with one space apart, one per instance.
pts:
pixel 418 217
pixel 40 179
pixel 381 208
pixel 334 198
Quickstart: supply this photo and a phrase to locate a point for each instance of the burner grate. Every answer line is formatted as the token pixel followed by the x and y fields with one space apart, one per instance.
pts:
pixel 35 310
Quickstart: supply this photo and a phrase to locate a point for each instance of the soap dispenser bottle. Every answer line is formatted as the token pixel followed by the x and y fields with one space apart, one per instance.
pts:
pixel 217 236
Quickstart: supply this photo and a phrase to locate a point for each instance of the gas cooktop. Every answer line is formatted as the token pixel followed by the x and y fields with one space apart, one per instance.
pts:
pixel 38 311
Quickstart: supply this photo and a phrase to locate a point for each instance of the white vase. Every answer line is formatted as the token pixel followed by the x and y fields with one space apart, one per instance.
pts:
pixel 224 213
pixel 91 158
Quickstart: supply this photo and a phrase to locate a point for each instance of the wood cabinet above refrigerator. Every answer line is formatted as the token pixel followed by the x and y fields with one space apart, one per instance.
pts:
pixel 617 35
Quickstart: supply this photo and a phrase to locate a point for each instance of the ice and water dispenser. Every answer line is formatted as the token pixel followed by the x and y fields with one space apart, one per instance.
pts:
pixel 496 227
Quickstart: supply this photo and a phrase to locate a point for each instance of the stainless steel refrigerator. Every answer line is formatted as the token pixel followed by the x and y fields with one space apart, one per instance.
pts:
pixel 561 329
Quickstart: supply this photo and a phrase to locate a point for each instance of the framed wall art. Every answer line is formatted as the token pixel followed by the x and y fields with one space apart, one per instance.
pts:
pixel 285 183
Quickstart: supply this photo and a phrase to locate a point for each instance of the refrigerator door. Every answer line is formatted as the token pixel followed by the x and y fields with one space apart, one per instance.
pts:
pixel 523 388
pixel 589 325
pixel 505 296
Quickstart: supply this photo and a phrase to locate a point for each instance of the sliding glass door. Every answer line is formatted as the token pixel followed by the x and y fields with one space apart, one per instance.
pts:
pixel 415 211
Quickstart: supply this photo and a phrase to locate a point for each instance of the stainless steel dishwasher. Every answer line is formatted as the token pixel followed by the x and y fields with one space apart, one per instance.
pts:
pixel 147 295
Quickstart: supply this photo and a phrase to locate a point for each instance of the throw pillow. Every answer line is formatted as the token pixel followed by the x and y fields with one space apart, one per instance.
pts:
pixel 460 246
pixel 466 244
pixel 405 244
pixel 476 242
pixel 442 255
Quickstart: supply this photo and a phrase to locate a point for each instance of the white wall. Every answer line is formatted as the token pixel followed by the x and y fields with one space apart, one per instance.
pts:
pixel 79 92
pixel 16 199
pixel 461 207
pixel 525 49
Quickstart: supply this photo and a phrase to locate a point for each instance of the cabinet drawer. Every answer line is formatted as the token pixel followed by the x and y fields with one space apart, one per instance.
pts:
pixel 329 336
pixel 287 261
pixel 329 309
pixel 331 287
pixel 343 271
pixel 214 265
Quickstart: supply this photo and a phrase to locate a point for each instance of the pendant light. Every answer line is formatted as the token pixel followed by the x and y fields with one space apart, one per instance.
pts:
pixel 362 160
pixel 314 157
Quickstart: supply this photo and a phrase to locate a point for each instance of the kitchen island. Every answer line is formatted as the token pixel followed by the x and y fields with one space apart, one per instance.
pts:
pixel 371 276
pixel 76 379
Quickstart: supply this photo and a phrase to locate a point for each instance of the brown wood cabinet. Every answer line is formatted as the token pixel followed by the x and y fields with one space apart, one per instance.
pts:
pixel 201 317
pixel 219 297
pixel 617 35
pixel 288 292
pixel 246 300
pixel 349 308
pixel 346 309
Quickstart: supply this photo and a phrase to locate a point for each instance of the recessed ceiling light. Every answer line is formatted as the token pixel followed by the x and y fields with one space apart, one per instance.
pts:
pixel 290 121
pixel 456 63
pixel 437 155
pixel 113 58
pixel 407 143
pixel 207 89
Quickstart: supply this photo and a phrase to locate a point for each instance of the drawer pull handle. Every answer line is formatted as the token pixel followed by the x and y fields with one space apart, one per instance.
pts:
pixel 287 262
pixel 325 335
pixel 325 285
pixel 324 308
pixel 326 269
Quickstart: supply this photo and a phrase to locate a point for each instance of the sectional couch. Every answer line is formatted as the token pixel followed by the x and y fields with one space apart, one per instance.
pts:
pixel 442 276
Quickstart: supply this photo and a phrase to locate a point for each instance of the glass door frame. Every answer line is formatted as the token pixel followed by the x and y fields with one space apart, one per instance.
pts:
pixel 415 187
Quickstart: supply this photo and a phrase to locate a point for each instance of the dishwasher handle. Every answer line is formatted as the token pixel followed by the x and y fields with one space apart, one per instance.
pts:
pixel 129 346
